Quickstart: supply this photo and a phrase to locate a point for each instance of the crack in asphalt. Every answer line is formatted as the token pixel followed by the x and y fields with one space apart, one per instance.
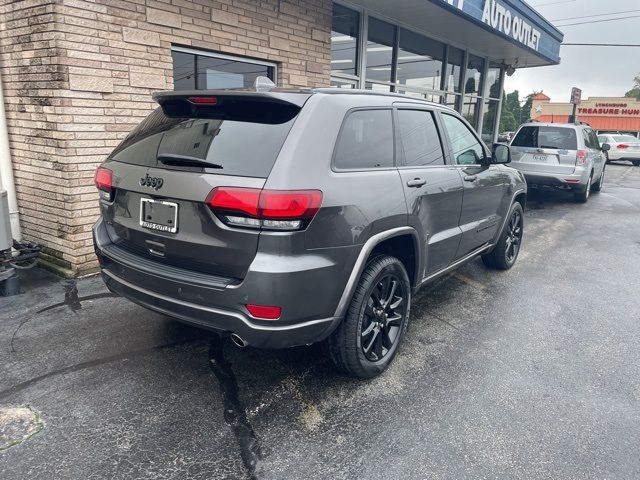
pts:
pixel 90 364
pixel 71 299
pixel 234 411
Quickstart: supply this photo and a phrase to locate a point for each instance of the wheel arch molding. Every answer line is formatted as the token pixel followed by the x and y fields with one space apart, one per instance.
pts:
pixel 373 244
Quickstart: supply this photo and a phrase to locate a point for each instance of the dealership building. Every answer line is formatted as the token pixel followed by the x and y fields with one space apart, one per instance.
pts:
pixel 77 75
pixel 603 114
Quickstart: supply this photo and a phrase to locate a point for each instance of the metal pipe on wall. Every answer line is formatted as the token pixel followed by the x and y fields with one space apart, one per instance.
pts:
pixel 6 170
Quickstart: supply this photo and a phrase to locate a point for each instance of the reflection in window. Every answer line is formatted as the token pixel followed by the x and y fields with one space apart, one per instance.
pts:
pixel 380 50
pixel 470 110
pixel 184 71
pixel 344 40
pixel 202 72
pixel 465 147
pixel 489 121
pixel 339 83
pixel 475 67
pixel 453 74
pixel 377 87
pixel 419 61
pixel 492 83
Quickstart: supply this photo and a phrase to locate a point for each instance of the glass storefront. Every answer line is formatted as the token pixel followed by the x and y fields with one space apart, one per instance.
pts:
pixel 368 52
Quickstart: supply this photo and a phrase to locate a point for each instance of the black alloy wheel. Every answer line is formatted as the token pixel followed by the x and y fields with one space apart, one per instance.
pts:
pixel 514 236
pixel 505 253
pixel 367 340
pixel 383 316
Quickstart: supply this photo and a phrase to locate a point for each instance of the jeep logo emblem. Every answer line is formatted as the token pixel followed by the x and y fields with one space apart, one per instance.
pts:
pixel 153 182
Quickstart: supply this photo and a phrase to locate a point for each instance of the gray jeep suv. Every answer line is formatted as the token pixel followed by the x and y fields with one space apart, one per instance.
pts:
pixel 289 217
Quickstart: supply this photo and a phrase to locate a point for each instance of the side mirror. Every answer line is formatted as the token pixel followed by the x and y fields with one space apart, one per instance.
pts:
pixel 500 153
pixel 606 147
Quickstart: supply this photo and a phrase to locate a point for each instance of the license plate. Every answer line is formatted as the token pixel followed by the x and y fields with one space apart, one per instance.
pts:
pixel 539 158
pixel 159 215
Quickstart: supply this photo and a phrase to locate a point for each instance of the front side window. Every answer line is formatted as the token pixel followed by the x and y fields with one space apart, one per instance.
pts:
pixel 560 138
pixel 465 147
pixel 205 71
pixel 345 31
pixel 420 139
pixel 366 141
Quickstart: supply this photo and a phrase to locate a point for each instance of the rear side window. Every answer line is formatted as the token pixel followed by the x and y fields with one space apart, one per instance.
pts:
pixel 420 139
pixel 232 147
pixel 366 141
pixel 624 138
pixel 546 137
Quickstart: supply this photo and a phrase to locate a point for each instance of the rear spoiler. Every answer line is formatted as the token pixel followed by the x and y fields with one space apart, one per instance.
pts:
pixel 240 105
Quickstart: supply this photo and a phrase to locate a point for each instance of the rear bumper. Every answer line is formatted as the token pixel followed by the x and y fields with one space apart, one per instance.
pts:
pixel 308 296
pixel 577 179
pixel 623 155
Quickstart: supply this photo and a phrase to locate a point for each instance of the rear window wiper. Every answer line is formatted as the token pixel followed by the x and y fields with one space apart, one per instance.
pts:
pixel 185 160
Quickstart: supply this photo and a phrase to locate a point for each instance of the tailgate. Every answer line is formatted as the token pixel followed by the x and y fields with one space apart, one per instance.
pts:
pixel 543 160
pixel 163 172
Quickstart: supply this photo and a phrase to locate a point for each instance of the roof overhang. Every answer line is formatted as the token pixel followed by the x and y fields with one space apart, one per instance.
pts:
pixel 506 31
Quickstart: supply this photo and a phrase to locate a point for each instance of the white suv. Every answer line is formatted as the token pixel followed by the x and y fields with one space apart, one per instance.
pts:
pixel 567 156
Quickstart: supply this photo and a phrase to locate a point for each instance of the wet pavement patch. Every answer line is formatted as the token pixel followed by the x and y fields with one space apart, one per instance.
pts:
pixel 234 411
pixel 18 424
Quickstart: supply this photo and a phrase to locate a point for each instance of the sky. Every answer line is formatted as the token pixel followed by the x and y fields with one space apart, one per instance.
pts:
pixel 598 71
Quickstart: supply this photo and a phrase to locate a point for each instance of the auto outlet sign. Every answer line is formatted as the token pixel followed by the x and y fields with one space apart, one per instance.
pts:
pixel 502 18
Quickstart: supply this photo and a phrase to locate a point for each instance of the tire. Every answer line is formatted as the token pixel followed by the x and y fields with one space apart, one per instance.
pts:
pixel 636 163
pixel 506 251
pixel 351 348
pixel 581 196
pixel 598 185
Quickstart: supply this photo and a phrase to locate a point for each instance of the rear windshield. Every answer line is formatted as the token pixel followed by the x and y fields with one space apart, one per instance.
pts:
pixel 546 137
pixel 243 148
pixel 624 138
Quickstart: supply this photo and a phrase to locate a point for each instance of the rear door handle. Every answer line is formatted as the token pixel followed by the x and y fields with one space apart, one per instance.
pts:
pixel 470 178
pixel 416 182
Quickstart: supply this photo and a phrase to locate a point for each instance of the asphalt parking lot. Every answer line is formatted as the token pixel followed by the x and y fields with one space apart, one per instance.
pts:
pixel 530 373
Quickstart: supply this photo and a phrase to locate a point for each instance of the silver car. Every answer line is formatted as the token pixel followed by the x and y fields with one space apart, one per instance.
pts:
pixel 623 147
pixel 567 156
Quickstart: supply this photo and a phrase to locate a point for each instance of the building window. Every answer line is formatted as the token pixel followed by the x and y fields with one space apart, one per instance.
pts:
pixel 491 108
pixel 369 53
pixel 345 32
pixel 419 61
pixel 200 70
pixel 453 75
pixel 475 68
pixel 380 45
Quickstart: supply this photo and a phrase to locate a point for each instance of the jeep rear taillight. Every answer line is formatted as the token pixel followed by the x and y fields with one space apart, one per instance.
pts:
pixel 104 183
pixel 581 157
pixel 266 209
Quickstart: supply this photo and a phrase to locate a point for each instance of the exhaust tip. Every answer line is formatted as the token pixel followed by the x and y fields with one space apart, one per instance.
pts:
pixel 238 340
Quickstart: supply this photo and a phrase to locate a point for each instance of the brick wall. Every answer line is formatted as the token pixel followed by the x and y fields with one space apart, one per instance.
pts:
pixel 78 76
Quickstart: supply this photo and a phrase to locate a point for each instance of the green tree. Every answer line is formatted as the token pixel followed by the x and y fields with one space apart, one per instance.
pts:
pixel 508 122
pixel 513 105
pixel 635 91
pixel 525 113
